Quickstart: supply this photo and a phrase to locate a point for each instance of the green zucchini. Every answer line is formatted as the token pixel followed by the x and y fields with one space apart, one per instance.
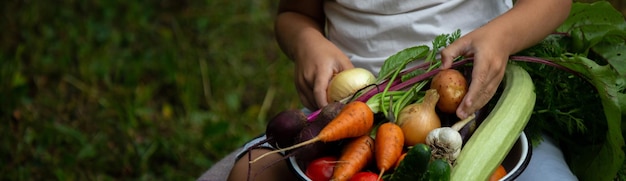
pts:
pixel 438 170
pixel 414 165
pixel 496 135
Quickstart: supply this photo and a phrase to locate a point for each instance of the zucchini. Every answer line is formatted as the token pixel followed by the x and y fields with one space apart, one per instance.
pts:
pixel 496 135
pixel 414 165
pixel 438 170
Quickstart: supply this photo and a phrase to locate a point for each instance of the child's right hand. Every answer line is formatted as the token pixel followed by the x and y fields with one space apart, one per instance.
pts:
pixel 300 33
pixel 314 69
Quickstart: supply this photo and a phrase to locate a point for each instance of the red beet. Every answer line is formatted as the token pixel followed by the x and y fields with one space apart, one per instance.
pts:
pixel 283 128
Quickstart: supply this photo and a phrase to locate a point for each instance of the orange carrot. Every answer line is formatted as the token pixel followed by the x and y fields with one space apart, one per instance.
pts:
pixel 399 160
pixel 498 174
pixel 354 120
pixel 388 146
pixel 354 157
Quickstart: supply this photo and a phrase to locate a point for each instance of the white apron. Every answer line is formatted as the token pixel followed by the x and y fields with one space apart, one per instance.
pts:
pixel 369 31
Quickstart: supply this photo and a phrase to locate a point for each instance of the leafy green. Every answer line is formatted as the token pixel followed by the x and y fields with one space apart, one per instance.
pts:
pixel 395 64
pixel 593 46
pixel 399 60
pixel 610 155
pixel 590 24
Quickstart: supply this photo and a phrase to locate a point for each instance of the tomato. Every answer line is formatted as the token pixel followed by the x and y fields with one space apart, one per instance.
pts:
pixel 498 174
pixel 364 176
pixel 321 169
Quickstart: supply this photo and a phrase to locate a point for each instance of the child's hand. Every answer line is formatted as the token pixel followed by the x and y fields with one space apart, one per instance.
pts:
pixel 490 59
pixel 527 23
pixel 315 68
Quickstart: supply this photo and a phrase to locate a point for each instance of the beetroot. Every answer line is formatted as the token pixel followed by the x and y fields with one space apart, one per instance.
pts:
pixel 291 126
pixel 310 152
pixel 329 112
pixel 283 128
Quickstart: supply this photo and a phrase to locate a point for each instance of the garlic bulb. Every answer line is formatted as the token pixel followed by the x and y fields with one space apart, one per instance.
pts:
pixel 445 143
pixel 347 82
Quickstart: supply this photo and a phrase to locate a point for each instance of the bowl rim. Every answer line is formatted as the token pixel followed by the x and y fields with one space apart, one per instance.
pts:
pixel 293 164
pixel 520 166
pixel 526 153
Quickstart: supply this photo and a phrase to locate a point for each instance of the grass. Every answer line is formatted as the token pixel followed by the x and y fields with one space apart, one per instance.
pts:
pixel 135 90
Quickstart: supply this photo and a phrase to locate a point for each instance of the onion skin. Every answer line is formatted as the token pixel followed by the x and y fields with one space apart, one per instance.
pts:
pixel 347 82
pixel 452 87
pixel 418 119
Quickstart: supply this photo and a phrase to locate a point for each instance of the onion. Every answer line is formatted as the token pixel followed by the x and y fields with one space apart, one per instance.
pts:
pixel 347 82
pixel 419 119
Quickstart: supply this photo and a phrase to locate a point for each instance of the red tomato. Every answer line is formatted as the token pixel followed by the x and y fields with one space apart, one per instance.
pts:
pixel 321 169
pixel 364 176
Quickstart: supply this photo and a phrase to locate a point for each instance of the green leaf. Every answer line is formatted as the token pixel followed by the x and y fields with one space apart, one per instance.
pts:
pixel 602 164
pixel 595 49
pixel 588 24
pixel 412 74
pixel 614 52
pixel 400 59
pixel 598 13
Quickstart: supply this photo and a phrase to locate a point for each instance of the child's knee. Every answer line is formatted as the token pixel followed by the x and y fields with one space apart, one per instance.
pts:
pixel 272 167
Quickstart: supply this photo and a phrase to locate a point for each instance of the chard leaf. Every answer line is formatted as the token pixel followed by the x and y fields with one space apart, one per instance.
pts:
pixel 601 163
pixel 597 26
pixel 592 14
pixel 398 61
pixel 595 48
pixel 614 52
pixel 401 59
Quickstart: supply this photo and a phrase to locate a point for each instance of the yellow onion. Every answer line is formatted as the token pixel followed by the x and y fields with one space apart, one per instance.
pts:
pixel 347 82
pixel 419 119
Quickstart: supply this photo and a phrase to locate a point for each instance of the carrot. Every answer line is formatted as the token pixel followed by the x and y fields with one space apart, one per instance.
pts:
pixel 498 174
pixel 355 156
pixel 354 120
pixel 399 160
pixel 388 146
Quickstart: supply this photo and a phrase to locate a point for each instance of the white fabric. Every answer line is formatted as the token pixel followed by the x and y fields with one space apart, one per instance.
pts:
pixel 369 31
pixel 547 164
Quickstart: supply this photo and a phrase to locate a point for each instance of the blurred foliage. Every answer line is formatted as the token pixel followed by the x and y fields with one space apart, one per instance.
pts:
pixel 134 90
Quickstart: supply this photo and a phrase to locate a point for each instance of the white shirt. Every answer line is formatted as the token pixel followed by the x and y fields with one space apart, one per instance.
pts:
pixel 369 31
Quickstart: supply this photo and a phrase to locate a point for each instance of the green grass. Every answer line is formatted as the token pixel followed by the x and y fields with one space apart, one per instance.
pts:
pixel 135 90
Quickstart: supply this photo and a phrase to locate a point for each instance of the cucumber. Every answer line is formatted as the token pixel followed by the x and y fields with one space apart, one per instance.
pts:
pixel 414 166
pixel 439 170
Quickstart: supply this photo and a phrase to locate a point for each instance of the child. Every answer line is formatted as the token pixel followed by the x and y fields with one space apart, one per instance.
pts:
pixel 326 37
